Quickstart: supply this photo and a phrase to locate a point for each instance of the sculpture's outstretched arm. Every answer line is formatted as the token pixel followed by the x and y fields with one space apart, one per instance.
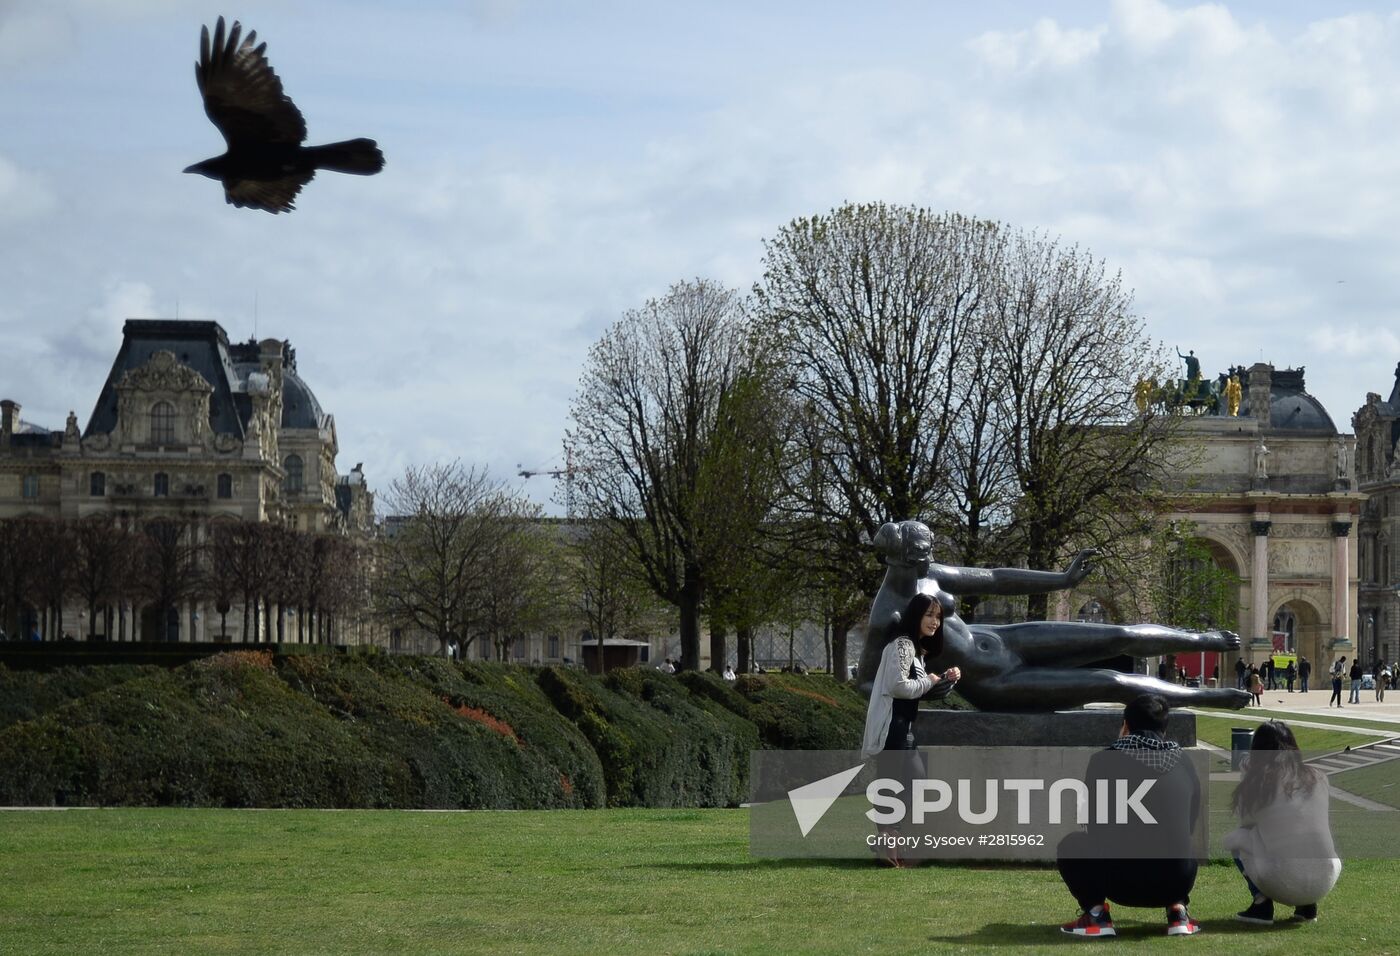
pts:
pixel 957 580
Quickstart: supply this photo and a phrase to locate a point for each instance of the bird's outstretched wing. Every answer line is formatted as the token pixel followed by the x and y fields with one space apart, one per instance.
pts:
pixel 242 94
pixel 271 195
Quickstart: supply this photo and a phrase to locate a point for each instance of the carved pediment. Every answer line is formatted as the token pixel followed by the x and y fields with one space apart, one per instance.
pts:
pixel 163 372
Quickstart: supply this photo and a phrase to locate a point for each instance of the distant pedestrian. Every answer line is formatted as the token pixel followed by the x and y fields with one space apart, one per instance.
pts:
pixel 1382 682
pixel 1290 675
pixel 667 667
pixel 1256 686
pixel 729 673
pixel 1337 670
pixel 1355 674
pixel 1241 669
pixel 1269 681
pixel 1304 672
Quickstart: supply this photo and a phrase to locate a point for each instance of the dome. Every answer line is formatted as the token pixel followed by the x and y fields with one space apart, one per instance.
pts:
pixel 1291 408
pixel 299 406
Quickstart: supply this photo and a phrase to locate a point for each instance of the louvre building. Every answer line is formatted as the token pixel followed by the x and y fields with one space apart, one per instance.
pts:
pixel 193 428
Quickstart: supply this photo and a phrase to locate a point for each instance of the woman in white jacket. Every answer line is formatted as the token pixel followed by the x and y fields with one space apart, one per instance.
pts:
pixel 1284 845
pixel 900 682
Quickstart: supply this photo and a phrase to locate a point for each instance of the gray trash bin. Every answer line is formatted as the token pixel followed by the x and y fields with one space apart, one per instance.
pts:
pixel 1240 739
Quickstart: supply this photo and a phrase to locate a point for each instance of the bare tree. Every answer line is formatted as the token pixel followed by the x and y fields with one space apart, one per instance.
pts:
pixel 437 546
pixel 642 425
pixel 514 594
pixel 871 308
pixel 103 555
pixel 1087 465
pixel 168 569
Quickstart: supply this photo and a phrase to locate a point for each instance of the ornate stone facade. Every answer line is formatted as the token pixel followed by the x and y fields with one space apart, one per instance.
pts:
pixel 191 426
pixel 1274 498
pixel 1272 495
pixel 1377 426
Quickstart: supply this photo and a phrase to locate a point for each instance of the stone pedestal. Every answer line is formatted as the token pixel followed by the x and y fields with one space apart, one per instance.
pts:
pixel 1065 728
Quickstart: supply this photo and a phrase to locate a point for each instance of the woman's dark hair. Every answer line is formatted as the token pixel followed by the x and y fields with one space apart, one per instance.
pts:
pixel 911 619
pixel 1278 771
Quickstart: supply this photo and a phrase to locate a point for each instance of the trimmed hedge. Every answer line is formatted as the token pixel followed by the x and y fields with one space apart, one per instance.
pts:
pixel 507 697
pixel 454 760
pixel 716 740
pixel 253 729
pixel 803 711
pixel 221 732
pixel 25 694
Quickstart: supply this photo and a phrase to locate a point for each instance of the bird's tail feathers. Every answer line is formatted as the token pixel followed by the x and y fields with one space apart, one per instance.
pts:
pixel 358 156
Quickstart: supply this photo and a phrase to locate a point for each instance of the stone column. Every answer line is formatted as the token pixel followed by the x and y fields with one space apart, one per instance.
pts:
pixel 1341 582
pixel 1262 638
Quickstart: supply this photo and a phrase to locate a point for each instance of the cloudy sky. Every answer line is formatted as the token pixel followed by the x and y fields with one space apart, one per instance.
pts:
pixel 551 164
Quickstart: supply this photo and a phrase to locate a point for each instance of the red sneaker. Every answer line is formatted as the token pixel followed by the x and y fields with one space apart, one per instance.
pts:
pixel 1090 925
pixel 1180 923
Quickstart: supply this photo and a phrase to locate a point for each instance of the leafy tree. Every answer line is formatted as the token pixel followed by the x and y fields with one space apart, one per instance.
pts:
pixel 605 590
pixel 1188 588
pixel 642 434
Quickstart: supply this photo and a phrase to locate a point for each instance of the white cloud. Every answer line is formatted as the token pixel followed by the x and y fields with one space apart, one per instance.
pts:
pixel 1351 341
pixel 557 168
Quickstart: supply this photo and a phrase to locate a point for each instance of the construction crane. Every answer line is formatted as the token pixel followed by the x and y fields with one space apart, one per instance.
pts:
pixel 567 473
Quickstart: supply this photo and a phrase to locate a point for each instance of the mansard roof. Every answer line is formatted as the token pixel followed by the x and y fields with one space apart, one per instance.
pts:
pixel 203 346
pixel 227 367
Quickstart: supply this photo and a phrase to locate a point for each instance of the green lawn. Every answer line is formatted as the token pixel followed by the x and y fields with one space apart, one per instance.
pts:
pixel 1379 782
pixel 1312 740
pixel 552 882
pixel 1390 729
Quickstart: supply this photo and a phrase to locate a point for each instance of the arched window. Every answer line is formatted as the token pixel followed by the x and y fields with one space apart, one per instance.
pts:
pixel 162 485
pixel 225 489
pixel 97 484
pixel 292 483
pixel 162 424
pixel 31 486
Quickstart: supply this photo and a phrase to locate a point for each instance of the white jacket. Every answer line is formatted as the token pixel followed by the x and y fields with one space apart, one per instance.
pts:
pixel 891 681
pixel 1286 848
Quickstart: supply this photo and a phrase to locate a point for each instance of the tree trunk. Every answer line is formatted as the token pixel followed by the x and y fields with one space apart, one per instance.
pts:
pixel 719 653
pixel 281 624
pixel 690 623
pixel 840 627
pixel 743 638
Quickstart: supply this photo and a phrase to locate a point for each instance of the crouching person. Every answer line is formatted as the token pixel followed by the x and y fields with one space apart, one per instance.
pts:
pixel 1132 858
pixel 1284 843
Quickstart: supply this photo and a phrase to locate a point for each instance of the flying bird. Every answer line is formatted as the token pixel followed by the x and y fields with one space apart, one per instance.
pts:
pixel 265 165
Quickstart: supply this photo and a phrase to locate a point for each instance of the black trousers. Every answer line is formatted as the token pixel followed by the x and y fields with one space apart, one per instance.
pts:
pixel 900 759
pixel 1126 882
